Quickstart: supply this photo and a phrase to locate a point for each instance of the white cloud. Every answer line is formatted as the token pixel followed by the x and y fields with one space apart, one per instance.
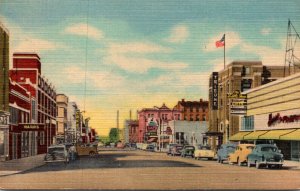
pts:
pixel 179 34
pixel 131 57
pixel 232 39
pixel 30 44
pixel 268 56
pixel 83 29
pixel 265 31
pixel 99 79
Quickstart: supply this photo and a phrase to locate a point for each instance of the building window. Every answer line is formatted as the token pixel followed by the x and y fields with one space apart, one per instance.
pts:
pixel 191 109
pixel 184 117
pixel 247 70
pixel 204 117
pixel 197 109
pixel 248 123
pixel 42 138
pixel 14 115
pixel 191 118
pixel 197 117
pixel 33 116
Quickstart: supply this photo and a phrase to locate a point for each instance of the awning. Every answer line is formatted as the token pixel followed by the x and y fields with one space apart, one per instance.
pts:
pixel 210 133
pixel 254 135
pixel 275 134
pixel 239 136
pixel 293 136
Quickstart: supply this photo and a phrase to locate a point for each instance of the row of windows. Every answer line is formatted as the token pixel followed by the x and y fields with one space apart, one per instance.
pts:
pixel 195 118
pixel 164 116
pixel 45 87
pixel 247 123
pixel 18 116
pixel 197 109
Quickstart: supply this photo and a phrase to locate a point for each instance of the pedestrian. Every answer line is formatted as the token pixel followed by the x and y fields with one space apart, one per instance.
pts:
pixel 72 151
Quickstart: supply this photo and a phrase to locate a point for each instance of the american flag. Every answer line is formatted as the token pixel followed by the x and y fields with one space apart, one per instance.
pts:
pixel 221 42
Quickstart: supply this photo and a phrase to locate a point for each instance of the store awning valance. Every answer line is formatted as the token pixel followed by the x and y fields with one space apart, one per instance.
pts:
pixel 275 134
pixel 239 136
pixel 254 135
pixel 292 136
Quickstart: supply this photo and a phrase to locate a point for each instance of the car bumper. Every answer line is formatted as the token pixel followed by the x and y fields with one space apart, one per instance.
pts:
pixel 271 163
pixel 52 161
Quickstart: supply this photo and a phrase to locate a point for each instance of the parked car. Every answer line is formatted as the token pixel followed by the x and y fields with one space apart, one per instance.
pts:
pixel 83 150
pixel 120 145
pixel 188 150
pixel 150 148
pixel 204 151
pixel 265 155
pixel 57 153
pixel 170 147
pixel 240 154
pixel 176 150
pixel 224 151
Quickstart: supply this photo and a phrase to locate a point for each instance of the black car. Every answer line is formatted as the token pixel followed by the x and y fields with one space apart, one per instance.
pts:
pixel 176 150
pixel 170 147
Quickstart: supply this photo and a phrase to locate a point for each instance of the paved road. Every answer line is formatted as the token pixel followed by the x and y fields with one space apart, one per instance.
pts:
pixel 119 169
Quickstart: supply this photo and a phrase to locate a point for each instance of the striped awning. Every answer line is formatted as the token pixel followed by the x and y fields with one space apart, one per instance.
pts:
pixel 275 134
pixel 239 136
pixel 254 135
pixel 292 136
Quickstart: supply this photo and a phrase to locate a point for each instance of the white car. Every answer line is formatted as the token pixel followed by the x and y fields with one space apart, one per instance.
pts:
pixel 57 153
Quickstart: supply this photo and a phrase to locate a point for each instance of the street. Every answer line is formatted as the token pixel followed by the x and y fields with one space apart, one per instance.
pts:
pixel 135 169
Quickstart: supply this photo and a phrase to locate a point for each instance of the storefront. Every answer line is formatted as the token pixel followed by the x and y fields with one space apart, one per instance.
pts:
pixel 273 116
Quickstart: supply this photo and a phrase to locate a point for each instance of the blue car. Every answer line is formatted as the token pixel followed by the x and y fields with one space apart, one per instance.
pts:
pixel 224 151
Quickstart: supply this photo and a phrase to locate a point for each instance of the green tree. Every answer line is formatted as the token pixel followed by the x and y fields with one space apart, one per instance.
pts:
pixel 114 135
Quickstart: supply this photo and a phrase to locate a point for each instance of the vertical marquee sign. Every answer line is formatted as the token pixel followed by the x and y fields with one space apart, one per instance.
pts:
pixel 215 78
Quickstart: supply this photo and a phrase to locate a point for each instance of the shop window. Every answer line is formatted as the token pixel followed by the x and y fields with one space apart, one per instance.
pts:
pixel 248 123
pixel 14 115
pixel 42 138
pixel 203 117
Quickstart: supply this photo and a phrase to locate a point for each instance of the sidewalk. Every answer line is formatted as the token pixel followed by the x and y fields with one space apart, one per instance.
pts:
pixel 20 165
pixel 295 165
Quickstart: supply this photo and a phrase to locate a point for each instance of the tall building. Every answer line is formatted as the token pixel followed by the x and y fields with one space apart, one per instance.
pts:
pixel 62 117
pixel 193 110
pixel 237 76
pixel 73 129
pixel 27 72
pixel 133 127
pixel 4 93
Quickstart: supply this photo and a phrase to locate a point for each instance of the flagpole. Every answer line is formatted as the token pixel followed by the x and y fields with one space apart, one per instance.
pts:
pixel 224 50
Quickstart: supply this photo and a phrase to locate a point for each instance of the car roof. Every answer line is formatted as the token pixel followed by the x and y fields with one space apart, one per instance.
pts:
pixel 246 145
pixel 265 145
pixel 53 146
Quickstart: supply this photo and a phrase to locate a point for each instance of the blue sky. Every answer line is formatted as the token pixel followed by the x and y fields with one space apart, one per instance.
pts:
pixel 122 55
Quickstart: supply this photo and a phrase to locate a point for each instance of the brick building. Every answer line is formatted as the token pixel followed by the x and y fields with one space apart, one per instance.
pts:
pixel 193 110
pixel 27 72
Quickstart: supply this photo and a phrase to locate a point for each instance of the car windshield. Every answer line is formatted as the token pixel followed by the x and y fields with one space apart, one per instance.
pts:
pixel 269 149
pixel 179 147
pixel 250 147
pixel 56 150
pixel 231 147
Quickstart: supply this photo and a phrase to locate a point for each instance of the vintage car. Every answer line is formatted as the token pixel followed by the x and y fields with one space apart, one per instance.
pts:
pixel 83 150
pixel 204 151
pixel 170 147
pixel 266 155
pixel 176 150
pixel 57 153
pixel 240 154
pixel 224 151
pixel 150 148
pixel 188 150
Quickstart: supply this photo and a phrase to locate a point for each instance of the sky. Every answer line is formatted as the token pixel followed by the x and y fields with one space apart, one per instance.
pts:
pixel 130 54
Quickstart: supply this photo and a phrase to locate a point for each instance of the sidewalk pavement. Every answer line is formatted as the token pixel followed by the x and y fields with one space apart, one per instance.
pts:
pixel 20 165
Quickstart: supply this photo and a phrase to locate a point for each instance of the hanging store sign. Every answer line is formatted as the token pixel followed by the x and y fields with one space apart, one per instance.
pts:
pixel 238 104
pixel 215 83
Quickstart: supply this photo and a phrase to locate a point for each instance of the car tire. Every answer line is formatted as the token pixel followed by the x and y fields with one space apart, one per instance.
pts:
pixel 239 162
pixel 257 165
pixel 248 163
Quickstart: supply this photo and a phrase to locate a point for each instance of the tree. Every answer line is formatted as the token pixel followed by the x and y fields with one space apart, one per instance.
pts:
pixel 114 135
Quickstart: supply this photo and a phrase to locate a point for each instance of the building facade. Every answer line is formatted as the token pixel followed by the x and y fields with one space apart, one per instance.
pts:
pixel 154 125
pixel 27 72
pixel 4 93
pixel 237 76
pixel 188 132
pixel 133 128
pixel 72 126
pixel 273 116
pixel 62 117
pixel 193 110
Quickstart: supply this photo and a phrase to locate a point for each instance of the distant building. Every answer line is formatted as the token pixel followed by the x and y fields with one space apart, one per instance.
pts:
pixel 4 93
pixel 193 110
pixel 62 102
pixel 72 127
pixel 154 124
pixel 27 72
pixel 188 132
pixel 133 129
pixel 126 130
pixel 237 76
